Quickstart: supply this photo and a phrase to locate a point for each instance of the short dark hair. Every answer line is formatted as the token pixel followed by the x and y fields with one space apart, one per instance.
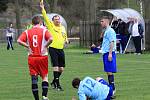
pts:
pixel 10 23
pixel 55 16
pixel 105 17
pixel 76 82
pixel 36 20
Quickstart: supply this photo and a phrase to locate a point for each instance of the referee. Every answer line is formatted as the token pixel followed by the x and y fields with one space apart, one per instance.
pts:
pixel 56 47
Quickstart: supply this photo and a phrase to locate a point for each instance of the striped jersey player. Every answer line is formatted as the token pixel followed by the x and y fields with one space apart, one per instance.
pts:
pixel 36 40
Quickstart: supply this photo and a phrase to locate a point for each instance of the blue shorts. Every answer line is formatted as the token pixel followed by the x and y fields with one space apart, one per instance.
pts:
pixel 102 81
pixel 110 66
pixel 110 94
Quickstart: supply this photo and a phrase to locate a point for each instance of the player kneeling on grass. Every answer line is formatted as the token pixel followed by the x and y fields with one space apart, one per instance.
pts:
pixel 90 89
pixel 36 40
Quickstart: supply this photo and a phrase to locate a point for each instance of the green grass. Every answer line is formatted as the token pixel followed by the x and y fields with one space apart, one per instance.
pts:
pixel 132 79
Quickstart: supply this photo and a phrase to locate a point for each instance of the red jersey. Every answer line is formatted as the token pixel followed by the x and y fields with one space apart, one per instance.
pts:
pixel 36 38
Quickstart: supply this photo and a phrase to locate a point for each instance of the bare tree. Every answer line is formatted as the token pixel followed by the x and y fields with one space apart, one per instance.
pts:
pixel 17 10
pixel 51 5
pixel 147 8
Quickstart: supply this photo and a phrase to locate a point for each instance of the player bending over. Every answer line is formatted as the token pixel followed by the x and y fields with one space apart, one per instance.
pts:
pixel 90 89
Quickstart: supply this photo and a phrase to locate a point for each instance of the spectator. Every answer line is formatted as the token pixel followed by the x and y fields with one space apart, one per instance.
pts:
pixel 137 33
pixel 115 24
pixel 120 28
pixel 9 35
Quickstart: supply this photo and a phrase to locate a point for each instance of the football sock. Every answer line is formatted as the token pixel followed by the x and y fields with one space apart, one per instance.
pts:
pixel 111 81
pixel 56 78
pixel 54 75
pixel 35 91
pixel 57 82
pixel 44 88
pixel 60 73
pixel 35 87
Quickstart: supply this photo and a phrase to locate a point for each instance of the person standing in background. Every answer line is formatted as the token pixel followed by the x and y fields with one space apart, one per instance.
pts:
pixel 136 35
pixel 9 35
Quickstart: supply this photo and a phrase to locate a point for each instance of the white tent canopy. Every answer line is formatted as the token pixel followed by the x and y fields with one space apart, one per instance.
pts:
pixel 126 13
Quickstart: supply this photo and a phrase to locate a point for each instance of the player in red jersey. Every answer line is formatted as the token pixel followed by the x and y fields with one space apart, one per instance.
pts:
pixel 36 40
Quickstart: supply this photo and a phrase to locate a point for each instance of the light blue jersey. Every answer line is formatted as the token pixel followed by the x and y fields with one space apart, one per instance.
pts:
pixel 93 89
pixel 109 36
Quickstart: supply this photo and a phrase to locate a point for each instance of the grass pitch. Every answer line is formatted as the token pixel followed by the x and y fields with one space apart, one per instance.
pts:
pixel 132 79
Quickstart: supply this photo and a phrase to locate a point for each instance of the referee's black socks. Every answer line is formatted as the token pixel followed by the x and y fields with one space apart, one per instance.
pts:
pixel 56 78
pixel 60 73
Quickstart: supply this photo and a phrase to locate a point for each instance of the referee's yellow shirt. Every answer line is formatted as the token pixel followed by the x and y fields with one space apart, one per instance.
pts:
pixel 58 32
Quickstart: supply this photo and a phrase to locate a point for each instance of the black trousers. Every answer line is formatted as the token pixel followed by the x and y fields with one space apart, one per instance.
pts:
pixel 9 42
pixel 123 41
pixel 137 44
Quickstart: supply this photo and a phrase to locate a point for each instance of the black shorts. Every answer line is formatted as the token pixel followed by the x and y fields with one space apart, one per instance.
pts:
pixel 57 57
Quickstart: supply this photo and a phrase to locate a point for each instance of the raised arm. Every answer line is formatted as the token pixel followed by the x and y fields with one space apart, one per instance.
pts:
pixel 48 22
